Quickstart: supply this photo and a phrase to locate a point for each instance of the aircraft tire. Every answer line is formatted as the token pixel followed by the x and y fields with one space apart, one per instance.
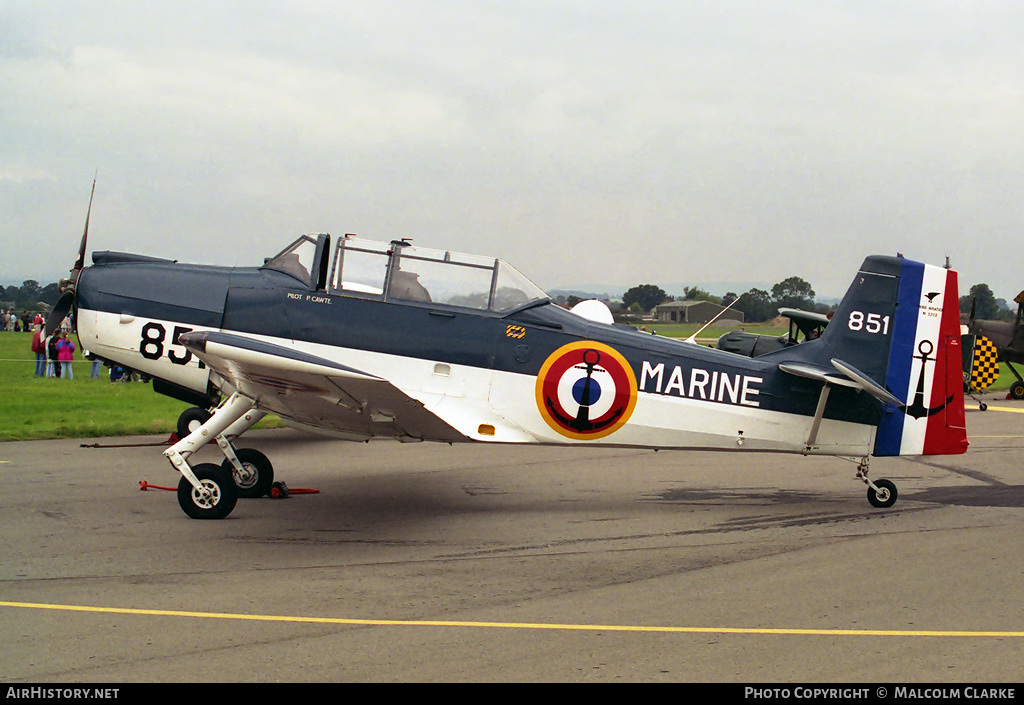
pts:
pixel 219 482
pixel 261 477
pixel 885 497
pixel 1017 390
pixel 191 419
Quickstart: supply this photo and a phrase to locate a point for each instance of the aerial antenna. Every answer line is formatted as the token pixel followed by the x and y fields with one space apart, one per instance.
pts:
pixel 693 338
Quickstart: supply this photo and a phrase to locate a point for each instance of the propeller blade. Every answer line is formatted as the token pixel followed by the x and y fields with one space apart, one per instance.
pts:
pixel 68 286
pixel 80 262
pixel 59 313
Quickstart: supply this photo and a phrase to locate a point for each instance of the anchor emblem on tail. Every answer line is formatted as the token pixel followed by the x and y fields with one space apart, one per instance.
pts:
pixel 918 409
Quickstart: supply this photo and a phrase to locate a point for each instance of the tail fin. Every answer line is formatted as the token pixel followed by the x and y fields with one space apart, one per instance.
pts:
pixel 899 324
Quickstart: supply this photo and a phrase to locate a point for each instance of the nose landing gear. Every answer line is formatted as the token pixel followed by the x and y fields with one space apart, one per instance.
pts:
pixel 213 499
pixel 209 491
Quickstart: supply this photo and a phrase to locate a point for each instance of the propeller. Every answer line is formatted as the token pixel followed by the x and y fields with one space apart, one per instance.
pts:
pixel 67 286
pixel 60 311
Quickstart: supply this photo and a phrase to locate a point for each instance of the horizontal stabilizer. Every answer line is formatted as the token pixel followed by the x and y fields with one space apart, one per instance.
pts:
pixel 820 374
pixel 866 383
pixel 851 377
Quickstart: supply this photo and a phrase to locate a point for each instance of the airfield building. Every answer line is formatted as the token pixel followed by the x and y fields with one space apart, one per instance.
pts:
pixel 692 312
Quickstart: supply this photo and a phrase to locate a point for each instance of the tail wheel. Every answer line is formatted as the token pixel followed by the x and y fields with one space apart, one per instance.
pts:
pixel 191 419
pixel 257 473
pixel 885 497
pixel 219 495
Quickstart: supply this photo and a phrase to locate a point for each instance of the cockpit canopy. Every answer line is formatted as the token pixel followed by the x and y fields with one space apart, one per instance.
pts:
pixel 397 271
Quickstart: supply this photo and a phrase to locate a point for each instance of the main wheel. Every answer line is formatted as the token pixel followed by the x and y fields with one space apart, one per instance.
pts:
pixel 1017 390
pixel 885 497
pixel 191 419
pixel 257 474
pixel 222 493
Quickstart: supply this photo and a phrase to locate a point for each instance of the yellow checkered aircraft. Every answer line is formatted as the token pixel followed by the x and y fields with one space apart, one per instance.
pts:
pixel 1006 340
pixel 985 366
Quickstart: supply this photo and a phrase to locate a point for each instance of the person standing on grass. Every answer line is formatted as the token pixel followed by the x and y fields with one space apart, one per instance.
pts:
pixel 66 354
pixel 53 366
pixel 40 350
pixel 97 365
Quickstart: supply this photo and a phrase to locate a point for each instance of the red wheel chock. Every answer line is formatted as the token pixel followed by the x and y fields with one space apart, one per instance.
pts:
pixel 143 485
pixel 279 490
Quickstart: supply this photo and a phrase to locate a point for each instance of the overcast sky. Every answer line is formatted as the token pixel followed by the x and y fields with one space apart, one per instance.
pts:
pixel 585 142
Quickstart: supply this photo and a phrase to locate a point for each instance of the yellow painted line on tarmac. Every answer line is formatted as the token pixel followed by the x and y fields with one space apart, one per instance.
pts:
pixel 1006 408
pixel 511 625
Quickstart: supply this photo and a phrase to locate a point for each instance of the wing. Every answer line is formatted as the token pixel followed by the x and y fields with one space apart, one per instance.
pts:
pixel 316 392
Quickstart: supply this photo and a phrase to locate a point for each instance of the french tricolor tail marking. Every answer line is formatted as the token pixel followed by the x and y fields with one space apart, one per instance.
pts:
pixel 925 367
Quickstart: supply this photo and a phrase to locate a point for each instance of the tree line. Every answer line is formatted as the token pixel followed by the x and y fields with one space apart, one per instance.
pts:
pixel 794 292
pixel 757 304
pixel 30 296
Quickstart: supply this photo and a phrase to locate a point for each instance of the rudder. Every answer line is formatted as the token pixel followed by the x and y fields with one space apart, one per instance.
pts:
pixel 924 367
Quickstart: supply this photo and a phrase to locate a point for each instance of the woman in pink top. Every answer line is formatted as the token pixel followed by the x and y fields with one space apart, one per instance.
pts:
pixel 65 353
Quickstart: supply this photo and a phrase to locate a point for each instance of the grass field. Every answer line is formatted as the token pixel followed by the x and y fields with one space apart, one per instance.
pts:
pixel 33 408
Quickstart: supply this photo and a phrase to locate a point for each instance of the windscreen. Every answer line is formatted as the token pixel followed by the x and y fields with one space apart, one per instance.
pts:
pixel 297 259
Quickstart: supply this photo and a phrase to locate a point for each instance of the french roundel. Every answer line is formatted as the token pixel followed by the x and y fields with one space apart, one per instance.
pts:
pixel 586 390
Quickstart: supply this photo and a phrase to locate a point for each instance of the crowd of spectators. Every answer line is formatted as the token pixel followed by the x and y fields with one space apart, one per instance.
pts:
pixel 55 353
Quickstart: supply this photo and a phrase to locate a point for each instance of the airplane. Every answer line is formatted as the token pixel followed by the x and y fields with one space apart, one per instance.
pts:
pixel 367 339
pixel 1007 340
pixel 803 326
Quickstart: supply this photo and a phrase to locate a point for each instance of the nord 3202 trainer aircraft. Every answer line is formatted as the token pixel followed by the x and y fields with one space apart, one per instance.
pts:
pixel 370 339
